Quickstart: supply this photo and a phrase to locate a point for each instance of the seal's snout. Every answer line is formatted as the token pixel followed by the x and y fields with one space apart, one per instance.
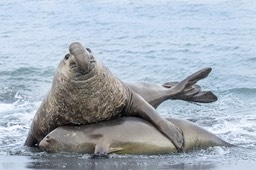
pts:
pixel 45 143
pixel 74 46
pixel 82 57
pixel 48 144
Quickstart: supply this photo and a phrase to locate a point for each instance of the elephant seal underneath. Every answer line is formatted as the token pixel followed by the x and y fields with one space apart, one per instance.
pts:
pixel 126 135
pixel 84 91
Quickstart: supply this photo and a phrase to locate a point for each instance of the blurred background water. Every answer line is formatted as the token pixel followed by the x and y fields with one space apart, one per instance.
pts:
pixel 152 41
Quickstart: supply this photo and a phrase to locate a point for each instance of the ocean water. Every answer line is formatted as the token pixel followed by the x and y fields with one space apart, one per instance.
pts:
pixel 152 41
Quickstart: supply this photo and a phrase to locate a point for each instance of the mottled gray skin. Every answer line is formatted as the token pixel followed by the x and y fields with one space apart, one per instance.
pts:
pixel 78 98
pixel 126 135
pixel 84 91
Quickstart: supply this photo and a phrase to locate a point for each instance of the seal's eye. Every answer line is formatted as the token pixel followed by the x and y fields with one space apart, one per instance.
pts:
pixel 89 50
pixel 67 56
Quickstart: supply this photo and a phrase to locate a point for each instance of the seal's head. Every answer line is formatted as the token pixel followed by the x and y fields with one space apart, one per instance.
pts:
pixel 83 91
pixel 78 63
pixel 50 145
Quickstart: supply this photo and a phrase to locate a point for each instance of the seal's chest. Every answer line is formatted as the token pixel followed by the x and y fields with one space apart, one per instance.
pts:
pixel 100 98
pixel 103 103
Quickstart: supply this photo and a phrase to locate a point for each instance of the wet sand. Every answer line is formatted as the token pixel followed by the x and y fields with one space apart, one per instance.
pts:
pixel 64 162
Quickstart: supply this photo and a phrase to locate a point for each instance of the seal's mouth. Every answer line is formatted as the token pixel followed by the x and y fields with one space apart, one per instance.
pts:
pixel 78 72
pixel 73 66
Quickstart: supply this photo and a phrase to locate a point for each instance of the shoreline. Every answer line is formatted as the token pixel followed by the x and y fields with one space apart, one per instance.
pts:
pixel 62 162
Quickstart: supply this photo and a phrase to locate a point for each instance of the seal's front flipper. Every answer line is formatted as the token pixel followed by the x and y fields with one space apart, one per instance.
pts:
pixel 101 151
pixel 30 141
pixel 139 107
pixel 99 156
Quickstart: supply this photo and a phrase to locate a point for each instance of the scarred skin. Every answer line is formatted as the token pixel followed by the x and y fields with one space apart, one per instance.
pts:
pixel 84 91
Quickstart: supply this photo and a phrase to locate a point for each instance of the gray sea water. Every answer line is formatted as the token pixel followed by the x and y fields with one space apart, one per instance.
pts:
pixel 152 41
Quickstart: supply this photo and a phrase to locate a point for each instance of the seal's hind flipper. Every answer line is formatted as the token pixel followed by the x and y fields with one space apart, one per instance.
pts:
pixel 192 92
pixel 199 75
pixel 204 97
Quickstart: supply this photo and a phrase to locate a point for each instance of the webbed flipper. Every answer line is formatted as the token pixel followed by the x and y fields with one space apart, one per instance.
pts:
pixel 192 92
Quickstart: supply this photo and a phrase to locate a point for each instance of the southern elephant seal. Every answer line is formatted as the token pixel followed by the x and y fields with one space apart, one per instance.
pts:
pixel 84 91
pixel 126 135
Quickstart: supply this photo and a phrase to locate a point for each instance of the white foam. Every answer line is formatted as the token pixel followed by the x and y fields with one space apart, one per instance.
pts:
pixel 6 107
pixel 15 121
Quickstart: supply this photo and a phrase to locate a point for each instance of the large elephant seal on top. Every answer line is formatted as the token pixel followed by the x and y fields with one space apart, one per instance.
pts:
pixel 84 91
pixel 126 135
